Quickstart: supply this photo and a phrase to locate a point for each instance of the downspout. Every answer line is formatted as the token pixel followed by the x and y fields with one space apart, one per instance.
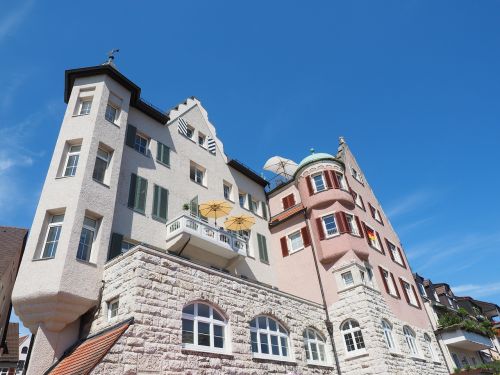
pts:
pixel 328 322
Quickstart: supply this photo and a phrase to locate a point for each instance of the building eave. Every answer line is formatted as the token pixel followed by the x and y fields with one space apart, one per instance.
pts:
pixel 240 167
pixel 135 98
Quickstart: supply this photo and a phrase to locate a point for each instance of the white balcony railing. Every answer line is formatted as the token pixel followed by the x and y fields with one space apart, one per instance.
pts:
pixel 211 235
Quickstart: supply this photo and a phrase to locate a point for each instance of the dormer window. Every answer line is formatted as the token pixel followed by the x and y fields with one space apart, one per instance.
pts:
pixel 319 182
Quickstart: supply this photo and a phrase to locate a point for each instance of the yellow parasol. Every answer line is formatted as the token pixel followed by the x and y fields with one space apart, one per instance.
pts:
pixel 240 222
pixel 215 209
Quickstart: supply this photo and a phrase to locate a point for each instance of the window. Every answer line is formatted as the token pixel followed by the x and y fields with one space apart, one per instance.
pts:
pixel 189 132
pixel 352 225
pixel 111 113
pixel 264 257
pixel 126 246
pixel 162 153
pixel 430 347
pixel 319 182
pixel 358 200
pixel 101 165
pixel 288 201
pixel 450 301
pixel 314 344
pixel 456 360
pixel 269 338
pixel 330 225
pixel 410 340
pixel 228 191
pixel 342 181
pixel 347 278
pixel 389 282
pixel 24 350
pixel 197 173
pixel 85 106
pixel 255 206
pixel 141 144
pixel 375 213
pixel 356 175
pixel 53 233
pixel 137 193
pixel 202 139
pixel 242 199
pixel 353 338
pixel 203 327
pixel 410 295
pixel 113 306
pixel 72 160
pixel 421 288
pixel 395 254
pixel 368 279
pixel 86 239
pixel 296 242
pixel 389 339
pixel 160 203
pixel 372 237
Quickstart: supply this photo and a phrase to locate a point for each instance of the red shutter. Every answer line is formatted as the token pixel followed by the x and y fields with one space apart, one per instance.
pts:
pixel 417 297
pixel 288 201
pixel 335 180
pixel 305 237
pixel 309 185
pixel 284 246
pixel 407 297
pixel 395 285
pixel 380 242
pixel 291 200
pixel 319 225
pixel 340 222
pixel 360 228
pixel 383 279
pixel 328 179
pixel 366 234
pixel 389 249
pixel 402 258
pixel 284 200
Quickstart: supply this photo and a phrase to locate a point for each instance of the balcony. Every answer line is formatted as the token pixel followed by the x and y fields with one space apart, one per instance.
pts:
pixel 459 338
pixel 204 236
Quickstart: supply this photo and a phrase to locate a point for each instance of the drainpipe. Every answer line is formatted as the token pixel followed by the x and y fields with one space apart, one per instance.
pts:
pixel 328 322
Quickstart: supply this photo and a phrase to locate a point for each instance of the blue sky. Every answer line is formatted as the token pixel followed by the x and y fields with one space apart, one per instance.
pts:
pixel 412 85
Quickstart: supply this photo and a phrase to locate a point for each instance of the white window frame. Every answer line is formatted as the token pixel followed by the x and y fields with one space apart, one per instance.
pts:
pixel 312 338
pixel 395 253
pixel 190 129
pixel 369 276
pixel 377 245
pixel 422 290
pixel 197 170
pixel 290 241
pixel 114 121
pixel 351 331
pixel 430 348
pixel 92 227
pixel 280 332
pixel 411 341
pixel 358 201
pixel 347 278
pixel 52 224
pixel 111 310
pixel 211 321
pixel 351 221
pixel 315 186
pixel 409 291
pixel 229 186
pixel 69 154
pixel 245 199
pixel 82 102
pixel 357 176
pixel 342 180
pixel 204 143
pixel 104 159
pixel 327 235
pixel 390 283
pixel 387 329
pixel 138 146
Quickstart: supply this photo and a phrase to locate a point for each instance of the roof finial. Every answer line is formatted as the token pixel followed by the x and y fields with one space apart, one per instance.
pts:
pixel 341 140
pixel 111 57
pixel 312 150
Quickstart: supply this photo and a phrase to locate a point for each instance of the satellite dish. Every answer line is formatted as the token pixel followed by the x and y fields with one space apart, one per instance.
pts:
pixel 281 166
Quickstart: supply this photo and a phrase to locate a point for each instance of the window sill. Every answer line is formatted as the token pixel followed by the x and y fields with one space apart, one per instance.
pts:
pixel 393 296
pixel 80 115
pixel 273 358
pixel 112 122
pixel 42 259
pixel 162 163
pixel 188 349
pixel 143 213
pixel 361 207
pixel 86 262
pixel 357 354
pixel 197 183
pixel 399 264
pixel 63 177
pixel 156 218
pixel 418 358
pixel 332 236
pixel 396 354
pixel 378 250
pixel 101 183
pixel 318 364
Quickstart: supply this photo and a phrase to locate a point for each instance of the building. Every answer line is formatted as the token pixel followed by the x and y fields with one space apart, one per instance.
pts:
pixel 24 349
pixel 10 355
pixel 133 279
pixel 457 323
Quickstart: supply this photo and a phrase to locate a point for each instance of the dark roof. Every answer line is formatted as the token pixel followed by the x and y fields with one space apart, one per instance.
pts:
pixel 12 241
pixel 87 354
pixel 135 99
pixel 242 168
pixel 11 350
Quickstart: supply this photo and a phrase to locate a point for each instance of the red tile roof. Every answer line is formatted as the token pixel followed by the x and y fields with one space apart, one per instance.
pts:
pixel 88 353
pixel 12 345
pixel 275 220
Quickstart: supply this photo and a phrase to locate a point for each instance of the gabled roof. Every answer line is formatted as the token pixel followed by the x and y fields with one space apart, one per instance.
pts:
pixel 12 241
pixel 285 215
pixel 87 354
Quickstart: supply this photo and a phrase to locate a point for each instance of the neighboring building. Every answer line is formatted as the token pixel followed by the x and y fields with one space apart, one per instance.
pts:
pixel 24 347
pixel 131 278
pixel 456 322
pixel 10 355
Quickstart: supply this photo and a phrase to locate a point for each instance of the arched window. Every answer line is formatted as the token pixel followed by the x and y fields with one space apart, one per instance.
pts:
pixel 24 350
pixel 410 340
pixel 353 337
pixel 203 327
pixel 389 339
pixel 269 338
pixel 430 347
pixel 314 344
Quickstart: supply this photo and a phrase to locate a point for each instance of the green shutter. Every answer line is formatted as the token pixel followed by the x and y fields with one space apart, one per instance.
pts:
pixel 164 203
pixel 264 210
pixel 141 193
pixel 163 153
pixel 262 248
pixel 250 204
pixel 130 135
pixel 193 206
pixel 155 201
pixel 115 245
pixel 131 192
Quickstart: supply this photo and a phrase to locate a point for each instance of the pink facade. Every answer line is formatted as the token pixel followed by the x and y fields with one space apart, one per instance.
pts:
pixel 359 224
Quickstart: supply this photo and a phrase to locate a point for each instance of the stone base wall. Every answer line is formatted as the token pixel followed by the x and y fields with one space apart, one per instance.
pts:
pixel 368 307
pixel 153 288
